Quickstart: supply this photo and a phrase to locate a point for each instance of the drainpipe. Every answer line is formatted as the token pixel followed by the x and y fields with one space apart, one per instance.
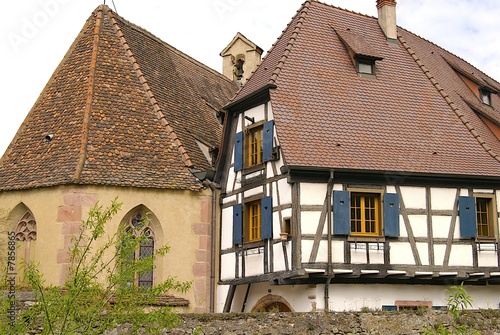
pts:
pixel 329 190
pixel 214 187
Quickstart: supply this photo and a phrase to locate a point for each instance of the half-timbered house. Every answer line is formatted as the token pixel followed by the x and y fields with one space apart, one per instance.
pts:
pixel 360 168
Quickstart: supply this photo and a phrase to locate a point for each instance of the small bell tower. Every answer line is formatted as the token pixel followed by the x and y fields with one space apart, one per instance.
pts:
pixel 240 59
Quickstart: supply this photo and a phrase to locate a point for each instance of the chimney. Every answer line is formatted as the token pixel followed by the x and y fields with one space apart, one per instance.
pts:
pixel 387 18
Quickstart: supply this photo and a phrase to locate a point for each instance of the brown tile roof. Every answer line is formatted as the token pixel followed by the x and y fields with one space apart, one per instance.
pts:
pixel 124 108
pixel 411 118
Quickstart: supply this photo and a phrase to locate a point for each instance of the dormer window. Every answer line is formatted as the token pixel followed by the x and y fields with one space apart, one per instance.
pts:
pixel 485 96
pixel 365 65
pixel 362 54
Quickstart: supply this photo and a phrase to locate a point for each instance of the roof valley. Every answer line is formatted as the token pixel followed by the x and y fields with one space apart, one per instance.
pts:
pixel 159 113
pixel 90 94
pixel 447 98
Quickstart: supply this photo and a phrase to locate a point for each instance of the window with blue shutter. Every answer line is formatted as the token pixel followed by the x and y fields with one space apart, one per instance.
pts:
pixel 238 151
pixel 237 224
pixel 341 209
pixel 391 215
pixel 268 135
pixel 267 218
pixel 467 210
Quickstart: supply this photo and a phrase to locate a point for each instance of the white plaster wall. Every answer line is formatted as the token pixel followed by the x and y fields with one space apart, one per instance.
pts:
pixel 285 192
pixel 254 265
pixel 230 179
pixel 443 198
pixel 423 252
pixel 358 256
pixel 226 240
pixel 498 201
pixel 309 222
pixel 390 189
pixel 414 197
pixel 400 253
pixel 441 226
pixel 227 266
pixel 338 252
pixel 338 187
pixel 279 256
pixel 353 297
pixel 276 224
pixel 464 192
pixel 254 191
pixel 306 250
pixel 487 258
pixel 461 255
pixel 258 113
pixel 222 291
pixel 418 225
pixel 229 199
pixel 439 251
pixel 312 194
pixel 322 255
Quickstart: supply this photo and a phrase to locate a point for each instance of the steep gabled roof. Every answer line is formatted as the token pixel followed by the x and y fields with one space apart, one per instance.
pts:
pixel 412 118
pixel 124 109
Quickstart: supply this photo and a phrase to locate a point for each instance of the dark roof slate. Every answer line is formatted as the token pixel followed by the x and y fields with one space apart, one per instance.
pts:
pixel 409 119
pixel 124 108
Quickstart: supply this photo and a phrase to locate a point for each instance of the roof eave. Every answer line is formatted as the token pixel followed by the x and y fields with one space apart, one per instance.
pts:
pixel 297 172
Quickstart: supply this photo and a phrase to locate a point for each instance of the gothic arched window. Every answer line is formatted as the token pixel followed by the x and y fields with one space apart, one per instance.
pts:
pixel 139 225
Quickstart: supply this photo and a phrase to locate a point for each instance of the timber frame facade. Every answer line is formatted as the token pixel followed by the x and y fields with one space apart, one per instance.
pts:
pixel 372 225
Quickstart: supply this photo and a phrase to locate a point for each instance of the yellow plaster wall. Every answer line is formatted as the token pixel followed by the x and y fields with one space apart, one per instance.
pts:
pixel 185 218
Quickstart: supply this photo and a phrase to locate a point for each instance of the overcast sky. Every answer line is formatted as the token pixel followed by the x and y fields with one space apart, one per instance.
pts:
pixel 35 34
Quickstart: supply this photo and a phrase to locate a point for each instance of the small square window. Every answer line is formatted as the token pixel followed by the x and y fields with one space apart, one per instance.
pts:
pixel 485 96
pixel 365 67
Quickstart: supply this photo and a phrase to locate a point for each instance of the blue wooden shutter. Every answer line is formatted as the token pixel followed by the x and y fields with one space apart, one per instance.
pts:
pixel 267 218
pixel 467 209
pixel 237 224
pixel 268 134
pixel 238 151
pixel 341 213
pixel 391 214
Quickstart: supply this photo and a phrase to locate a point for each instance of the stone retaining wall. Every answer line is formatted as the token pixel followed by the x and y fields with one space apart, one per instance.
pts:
pixel 346 323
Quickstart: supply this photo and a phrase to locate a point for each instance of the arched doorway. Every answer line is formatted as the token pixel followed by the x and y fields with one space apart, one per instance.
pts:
pixel 272 303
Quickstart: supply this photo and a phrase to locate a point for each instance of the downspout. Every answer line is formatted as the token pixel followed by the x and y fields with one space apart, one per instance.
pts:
pixel 214 187
pixel 329 190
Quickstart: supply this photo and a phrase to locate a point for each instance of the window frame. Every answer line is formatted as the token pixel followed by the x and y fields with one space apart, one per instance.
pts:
pixel 242 225
pixel 363 220
pixel 365 63
pixel 485 96
pixel 252 222
pixel 139 224
pixel 249 152
pixel 388 217
pixel 489 201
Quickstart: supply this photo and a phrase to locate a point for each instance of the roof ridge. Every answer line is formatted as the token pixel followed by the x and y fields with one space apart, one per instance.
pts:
pixel 344 9
pixel 90 92
pixel 159 113
pixel 174 49
pixel 447 98
pixel 291 41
